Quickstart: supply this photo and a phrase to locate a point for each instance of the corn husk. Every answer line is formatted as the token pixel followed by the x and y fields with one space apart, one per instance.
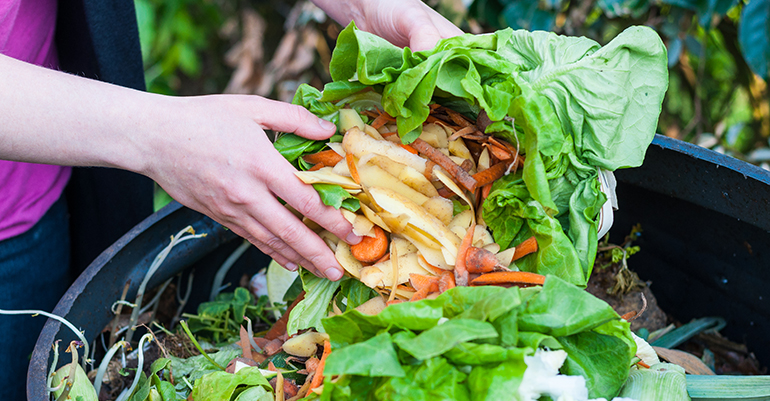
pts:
pixel 661 382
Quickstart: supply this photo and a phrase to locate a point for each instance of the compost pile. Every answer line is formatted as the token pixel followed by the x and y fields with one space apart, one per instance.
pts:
pixel 478 174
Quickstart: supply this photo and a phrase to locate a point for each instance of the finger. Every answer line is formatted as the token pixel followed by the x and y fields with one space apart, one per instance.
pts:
pixel 285 117
pixel 273 246
pixel 427 33
pixel 424 38
pixel 288 234
pixel 307 202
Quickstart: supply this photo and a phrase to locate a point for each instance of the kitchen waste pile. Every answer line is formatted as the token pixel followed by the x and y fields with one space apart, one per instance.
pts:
pixel 480 175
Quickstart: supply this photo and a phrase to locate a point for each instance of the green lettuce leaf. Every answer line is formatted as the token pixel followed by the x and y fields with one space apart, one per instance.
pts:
pixel 602 359
pixel 222 385
pixel 561 310
pixel 380 360
pixel 337 197
pixel 575 106
pixel 434 379
pixel 439 339
pixel 310 310
pixel 496 381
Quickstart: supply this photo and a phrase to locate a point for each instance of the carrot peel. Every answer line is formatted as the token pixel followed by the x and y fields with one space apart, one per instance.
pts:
pixel 328 157
pixel 371 249
pixel 480 260
pixel 525 248
pixel 509 278
pixel 318 377
pixel 461 272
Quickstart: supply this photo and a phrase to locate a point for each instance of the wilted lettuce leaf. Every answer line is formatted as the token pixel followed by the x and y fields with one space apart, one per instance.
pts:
pixel 601 359
pixel 310 310
pixel 355 292
pixel 574 106
pixel 381 359
pixel 292 147
pixel 561 309
pixel 195 367
pixel 434 379
pixel 496 381
pixel 439 339
pixel 221 385
pixel 486 331
pixel 354 326
pixel 469 353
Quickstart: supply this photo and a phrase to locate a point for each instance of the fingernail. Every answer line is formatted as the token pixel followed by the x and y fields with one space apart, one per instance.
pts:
pixel 333 274
pixel 327 125
pixel 353 239
pixel 291 267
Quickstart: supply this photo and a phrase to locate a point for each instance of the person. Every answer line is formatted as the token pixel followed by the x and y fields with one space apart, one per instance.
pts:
pixel 210 153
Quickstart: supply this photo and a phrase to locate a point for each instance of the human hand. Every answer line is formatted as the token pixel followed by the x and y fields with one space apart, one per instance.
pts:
pixel 402 22
pixel 213 156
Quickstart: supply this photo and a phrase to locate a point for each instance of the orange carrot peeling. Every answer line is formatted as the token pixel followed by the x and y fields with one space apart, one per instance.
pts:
pixel 328 157
pixel 316 167
pixel 485 190
pixel 525 248
pixel 371 249
pixel 318 378
pixel 420 294
pixel 381 120
pixel 409 149
pixel 491 174
pixel 446 281
pixel 480 260
pixel 461 272
pixel 461 176
pixel 353 168
pixel 509 278
pixel 420 281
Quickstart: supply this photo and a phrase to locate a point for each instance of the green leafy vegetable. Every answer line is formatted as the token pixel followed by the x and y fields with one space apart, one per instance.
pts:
pixel 381 359
pixel 195 367
pixel 220 385
pixel 337 197
pixel 570 105
pixel 220 320
pixel 318 296
pixel 474 341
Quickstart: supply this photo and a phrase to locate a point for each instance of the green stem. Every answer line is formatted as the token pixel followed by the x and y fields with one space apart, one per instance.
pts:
pixel 198 346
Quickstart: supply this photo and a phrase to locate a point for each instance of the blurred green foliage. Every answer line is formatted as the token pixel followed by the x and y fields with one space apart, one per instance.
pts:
pixel 183 45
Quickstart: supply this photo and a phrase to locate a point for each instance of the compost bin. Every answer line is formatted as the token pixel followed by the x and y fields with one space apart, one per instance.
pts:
pixel 705 248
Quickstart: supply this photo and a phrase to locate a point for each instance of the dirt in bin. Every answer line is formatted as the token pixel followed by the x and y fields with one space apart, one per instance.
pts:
pixel 604 285
pixel 626 292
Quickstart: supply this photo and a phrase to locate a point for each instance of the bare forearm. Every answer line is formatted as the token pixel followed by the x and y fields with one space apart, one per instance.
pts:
pixel 56 118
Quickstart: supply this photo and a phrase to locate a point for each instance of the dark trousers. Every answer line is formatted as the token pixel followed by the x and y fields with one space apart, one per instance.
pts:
pixel 34 274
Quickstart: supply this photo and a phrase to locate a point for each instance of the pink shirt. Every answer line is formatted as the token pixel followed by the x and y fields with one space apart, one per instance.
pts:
pixel 28 190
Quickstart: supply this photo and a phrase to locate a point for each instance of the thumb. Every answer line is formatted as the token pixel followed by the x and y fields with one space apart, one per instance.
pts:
pixel 424 39
pixel 285 117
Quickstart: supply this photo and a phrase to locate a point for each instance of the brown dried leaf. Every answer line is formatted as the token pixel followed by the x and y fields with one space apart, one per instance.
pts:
pixel 247 56
pixel 691 364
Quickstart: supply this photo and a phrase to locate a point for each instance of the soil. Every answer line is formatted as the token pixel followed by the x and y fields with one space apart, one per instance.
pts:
pixel 604 280
pixel 627 293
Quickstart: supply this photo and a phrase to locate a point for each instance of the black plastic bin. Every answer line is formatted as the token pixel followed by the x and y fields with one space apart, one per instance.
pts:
pixel 705 246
